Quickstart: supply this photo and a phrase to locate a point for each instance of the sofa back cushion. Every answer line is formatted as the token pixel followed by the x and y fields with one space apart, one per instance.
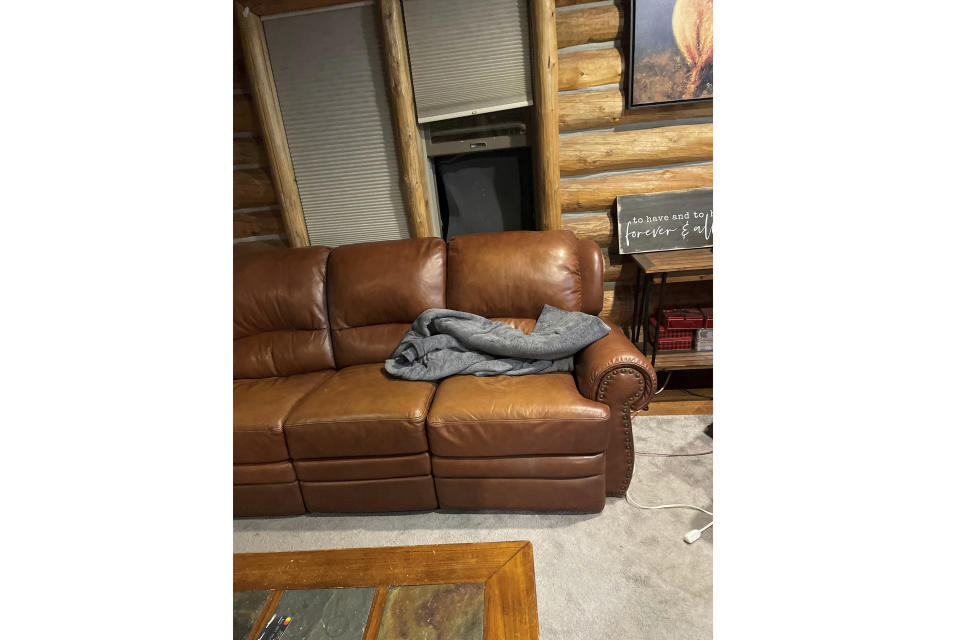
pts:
pixel 513 273
pixel 280 325
pixel 376 289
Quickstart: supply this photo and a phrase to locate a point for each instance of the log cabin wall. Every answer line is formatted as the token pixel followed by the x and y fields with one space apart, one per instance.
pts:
pixel 606 151
pixel 257 223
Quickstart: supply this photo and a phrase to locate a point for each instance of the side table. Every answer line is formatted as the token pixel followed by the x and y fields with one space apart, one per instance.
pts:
pixel 682 265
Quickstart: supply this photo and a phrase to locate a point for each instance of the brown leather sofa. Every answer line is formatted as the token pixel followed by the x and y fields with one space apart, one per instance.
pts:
pixel 320 427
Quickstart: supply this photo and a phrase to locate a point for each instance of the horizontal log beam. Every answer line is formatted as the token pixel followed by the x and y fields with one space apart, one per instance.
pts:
pixel 592 24
pixel 252 188
pixel 618 268
pixel 244 120
pixel 606 109
pixel 257 223
pixel 592 194
pixel 567 3
pixel 593 68
pixel 249 151
pixel 608 151
pixel 598 227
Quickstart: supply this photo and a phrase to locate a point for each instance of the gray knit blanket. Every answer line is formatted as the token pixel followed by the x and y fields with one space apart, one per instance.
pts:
pixel 443 342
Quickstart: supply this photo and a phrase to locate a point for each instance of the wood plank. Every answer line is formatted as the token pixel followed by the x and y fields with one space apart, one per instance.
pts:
pixel 567 3
pixel 606 109
pixel 406 133
pixel 581 69
pixel 257 223
pixel 590 24
pixel 249 151
pixel 623 270
pixel 692 407
pixel 510 600
pixel 252 188
pixel 546 131
pixel 676 402
pixel 272 7
pixel 264 94
pixel 681 360
pixel 382 566
pixel 372 628
pixel 682 260
pixel 608 151
pixel 244 120
pixel 618 267
pixel 591 194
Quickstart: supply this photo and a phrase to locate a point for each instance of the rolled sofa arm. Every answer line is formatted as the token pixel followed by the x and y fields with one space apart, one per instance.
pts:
pixel 613 371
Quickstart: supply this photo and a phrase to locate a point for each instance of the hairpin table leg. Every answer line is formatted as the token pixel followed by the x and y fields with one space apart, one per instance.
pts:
pixel 656 333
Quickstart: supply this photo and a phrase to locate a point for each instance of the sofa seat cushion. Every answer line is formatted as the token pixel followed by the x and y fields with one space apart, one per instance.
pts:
pixel 367 468
pixel 264 473
pixel 582 495
pixel 276 499
pixel 360 411
pixel 415 493
pixel 540 414
pixel 259 409
pixel 580 466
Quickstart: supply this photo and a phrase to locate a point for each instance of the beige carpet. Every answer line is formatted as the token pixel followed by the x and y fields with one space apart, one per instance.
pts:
pixel 622 573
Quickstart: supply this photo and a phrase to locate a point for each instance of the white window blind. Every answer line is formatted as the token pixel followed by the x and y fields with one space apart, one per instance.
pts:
pixel 332 91
pixel 468 56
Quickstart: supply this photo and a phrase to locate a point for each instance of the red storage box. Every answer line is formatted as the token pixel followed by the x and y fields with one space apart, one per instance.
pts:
pixel 707 317
pixel 670 339
pixel 685 318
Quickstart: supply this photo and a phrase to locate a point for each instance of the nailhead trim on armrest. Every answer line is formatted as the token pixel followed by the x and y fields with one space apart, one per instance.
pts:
pixel 627 421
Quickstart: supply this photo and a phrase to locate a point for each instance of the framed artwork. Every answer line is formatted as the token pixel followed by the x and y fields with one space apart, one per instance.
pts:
pixel 670 52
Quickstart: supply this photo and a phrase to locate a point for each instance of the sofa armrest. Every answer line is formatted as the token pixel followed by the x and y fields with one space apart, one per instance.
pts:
pixel 598 369
pixel 613 371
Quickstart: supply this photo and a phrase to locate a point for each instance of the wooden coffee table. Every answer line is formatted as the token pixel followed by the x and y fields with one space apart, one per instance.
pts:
pixel 471 591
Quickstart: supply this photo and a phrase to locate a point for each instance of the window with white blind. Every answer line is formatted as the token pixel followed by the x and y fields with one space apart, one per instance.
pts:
pixel 467 56
pixel 332 91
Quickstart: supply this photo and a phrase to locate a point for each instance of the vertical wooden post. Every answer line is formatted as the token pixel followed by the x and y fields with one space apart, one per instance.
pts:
pixel 546 157
pixel 264 91
pixel 409 144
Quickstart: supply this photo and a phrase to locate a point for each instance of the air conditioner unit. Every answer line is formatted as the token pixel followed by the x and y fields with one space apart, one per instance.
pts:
pixel 472 134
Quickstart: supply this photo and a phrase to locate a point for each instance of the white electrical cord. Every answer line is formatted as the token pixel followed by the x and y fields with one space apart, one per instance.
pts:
pixel 691 536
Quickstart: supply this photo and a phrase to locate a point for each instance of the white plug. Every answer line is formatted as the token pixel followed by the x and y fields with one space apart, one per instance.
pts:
pixel 692 536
